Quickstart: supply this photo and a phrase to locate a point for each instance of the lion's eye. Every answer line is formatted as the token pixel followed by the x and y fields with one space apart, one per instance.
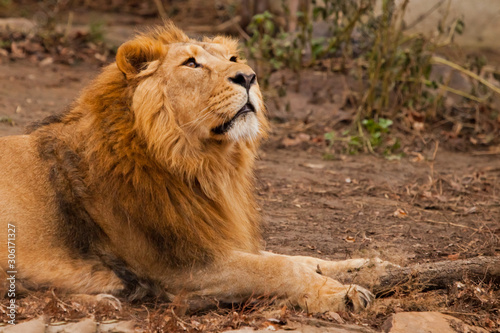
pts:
pixel 191 62
pixel 233 59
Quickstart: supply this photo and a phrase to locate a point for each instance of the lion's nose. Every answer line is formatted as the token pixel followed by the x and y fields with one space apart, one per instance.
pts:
pixel 245 80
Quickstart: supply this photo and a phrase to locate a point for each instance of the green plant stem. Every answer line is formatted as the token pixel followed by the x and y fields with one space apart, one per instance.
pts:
pixel 442 61
pixel 457 92
pixel 346 32
pixel 366 142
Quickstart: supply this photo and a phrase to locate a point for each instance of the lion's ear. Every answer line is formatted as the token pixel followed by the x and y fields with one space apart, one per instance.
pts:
pixel 133 56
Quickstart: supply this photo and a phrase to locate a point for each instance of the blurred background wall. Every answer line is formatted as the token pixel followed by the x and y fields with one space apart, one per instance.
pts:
pixel 481 17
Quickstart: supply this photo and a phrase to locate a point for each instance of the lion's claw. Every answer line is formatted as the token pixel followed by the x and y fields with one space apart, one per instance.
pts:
pixel 358 297
pixel 333 296
pixel 365 296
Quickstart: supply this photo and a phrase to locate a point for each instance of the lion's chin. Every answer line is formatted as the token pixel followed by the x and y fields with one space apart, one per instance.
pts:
pixel 246 127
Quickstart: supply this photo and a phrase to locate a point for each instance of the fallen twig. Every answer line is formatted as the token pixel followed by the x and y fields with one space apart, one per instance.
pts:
pixel 439 275
pixel 448 223
pixel 492 152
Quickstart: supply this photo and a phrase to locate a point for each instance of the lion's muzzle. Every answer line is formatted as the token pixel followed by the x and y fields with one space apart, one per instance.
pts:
pixel 221 129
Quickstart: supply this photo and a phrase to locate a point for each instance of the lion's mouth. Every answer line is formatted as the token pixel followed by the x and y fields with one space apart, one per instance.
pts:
pixel 221 129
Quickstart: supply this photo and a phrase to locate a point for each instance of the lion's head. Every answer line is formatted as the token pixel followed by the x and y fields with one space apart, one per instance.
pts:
pixel 188 94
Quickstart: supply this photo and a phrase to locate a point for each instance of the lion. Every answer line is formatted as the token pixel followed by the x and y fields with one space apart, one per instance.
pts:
pixel 144 186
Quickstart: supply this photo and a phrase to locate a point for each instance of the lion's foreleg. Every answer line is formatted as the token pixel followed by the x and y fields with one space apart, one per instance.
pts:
pixel 334 268
pixel 242 275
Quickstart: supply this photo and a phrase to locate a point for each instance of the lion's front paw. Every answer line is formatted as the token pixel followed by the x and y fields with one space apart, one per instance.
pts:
pixel 333 296
pixel 358 298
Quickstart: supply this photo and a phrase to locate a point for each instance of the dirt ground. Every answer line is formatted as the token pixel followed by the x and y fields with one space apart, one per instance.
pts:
pixel 436 203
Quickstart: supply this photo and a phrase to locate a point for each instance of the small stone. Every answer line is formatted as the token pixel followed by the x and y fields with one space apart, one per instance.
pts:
pixel 85 326
pixel 121 326
pixel 32 326
pixel 426 322
pixel 17 24
pixel 47 61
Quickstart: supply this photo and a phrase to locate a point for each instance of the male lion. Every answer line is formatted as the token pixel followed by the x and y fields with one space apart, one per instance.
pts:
pixel 144 187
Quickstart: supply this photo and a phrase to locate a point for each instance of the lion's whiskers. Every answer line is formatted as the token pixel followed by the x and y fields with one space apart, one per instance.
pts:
pixel 198 121
pixel 203 117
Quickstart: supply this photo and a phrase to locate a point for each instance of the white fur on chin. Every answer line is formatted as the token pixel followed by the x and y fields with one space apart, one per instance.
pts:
pixel 244 128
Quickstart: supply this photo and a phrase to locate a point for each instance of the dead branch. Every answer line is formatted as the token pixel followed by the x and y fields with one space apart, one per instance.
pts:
pixel 448 223
pixel 442 61
pixel 439 275
pixel 161 9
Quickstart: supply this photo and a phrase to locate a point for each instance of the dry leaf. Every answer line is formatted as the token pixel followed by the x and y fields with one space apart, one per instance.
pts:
pixel 471 210
pixel 101 57
pixel 349 239
pixel 283 313
pixel 427 194
pixel 16 51
pixel 269 326
pixel 298 139
pixel 417 157
pixel 335 317
pixel 400 213
pixel 418 126
pixel 441 198
pixel 47 61
pixel 313 166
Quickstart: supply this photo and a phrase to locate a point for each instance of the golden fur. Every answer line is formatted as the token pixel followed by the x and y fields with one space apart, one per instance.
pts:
pixel 144 187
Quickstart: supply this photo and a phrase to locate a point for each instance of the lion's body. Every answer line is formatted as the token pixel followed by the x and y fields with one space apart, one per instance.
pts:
pixel 145 185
